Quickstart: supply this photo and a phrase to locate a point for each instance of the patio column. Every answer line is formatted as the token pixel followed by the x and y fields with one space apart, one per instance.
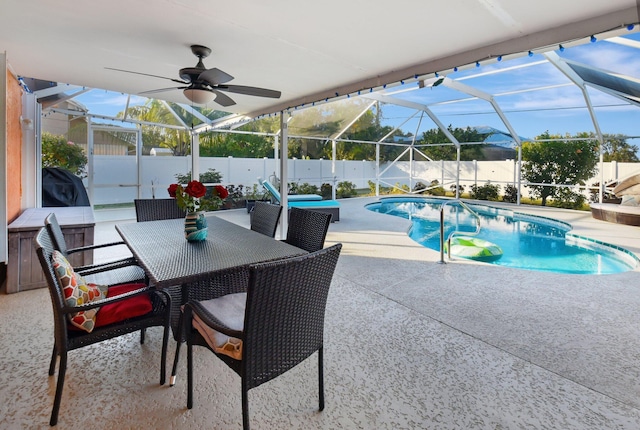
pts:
pixel 519 173
pixel 195 156
pixel 284 174
pixel 457 172
pixel 333 168
pixel 377 169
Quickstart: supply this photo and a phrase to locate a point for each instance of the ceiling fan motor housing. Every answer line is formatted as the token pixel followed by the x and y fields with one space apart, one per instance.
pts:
pixel 190 74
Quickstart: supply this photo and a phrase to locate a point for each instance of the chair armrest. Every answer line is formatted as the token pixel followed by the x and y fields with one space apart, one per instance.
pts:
pixel 104 267
pixel 92 247
pixel 210 320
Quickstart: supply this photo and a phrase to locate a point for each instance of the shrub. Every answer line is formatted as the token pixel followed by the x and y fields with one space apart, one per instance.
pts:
pixel 436 189
pixel 419 188
pixel 211 176
pixel 256 192
pixel 307 188
pixel 567 199
pixel 396 189
pixel 58 152
pixel 383 190
pixel 453 189
pixel 293 188
pixel 372 187
pixel 510 194
pixel 326 191
pixel 485 192
pixel 236 196
pixel 346 189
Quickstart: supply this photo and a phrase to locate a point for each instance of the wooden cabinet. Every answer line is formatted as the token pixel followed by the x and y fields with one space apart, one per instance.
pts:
pixel 23 268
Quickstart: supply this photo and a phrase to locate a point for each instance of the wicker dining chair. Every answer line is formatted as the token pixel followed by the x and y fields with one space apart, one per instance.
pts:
pixel 120 271
pixel 157 209
pixel 161 209
pixel 275 325
pixel 307 229
pixel 120 313
pixel 265 217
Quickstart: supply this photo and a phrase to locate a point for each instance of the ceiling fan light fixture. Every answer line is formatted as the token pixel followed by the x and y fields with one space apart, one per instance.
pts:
pixel 199 96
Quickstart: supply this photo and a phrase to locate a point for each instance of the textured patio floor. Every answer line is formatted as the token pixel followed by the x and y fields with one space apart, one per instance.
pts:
pixel 410 344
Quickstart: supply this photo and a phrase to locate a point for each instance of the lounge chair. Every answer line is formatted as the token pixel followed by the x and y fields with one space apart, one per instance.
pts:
pixel 306 201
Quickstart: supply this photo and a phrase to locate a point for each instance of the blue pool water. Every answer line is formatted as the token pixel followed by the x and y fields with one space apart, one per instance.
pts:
pixel 528 242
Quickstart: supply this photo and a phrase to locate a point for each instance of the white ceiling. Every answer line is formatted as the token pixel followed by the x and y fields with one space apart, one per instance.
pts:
pixel 308 50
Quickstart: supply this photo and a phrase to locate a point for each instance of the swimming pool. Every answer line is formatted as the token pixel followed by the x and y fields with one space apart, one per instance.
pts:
pixel 527 241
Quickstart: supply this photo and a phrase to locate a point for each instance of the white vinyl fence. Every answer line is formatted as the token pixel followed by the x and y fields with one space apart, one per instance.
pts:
pixel 116 177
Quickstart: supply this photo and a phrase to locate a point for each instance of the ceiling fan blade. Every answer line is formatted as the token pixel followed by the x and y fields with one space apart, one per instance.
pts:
pixel 214 77
pixel 147 74
pixel 250 91
pixel 223 99
pixel 161 90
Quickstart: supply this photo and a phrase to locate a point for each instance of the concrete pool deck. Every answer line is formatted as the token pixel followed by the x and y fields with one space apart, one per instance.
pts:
pixel 409 343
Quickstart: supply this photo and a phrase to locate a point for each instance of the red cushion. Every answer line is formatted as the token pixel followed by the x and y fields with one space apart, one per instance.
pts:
pixel 120 311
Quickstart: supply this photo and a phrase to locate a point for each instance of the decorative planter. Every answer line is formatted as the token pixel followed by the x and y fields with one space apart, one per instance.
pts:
pixel 195 226
pixel 250 204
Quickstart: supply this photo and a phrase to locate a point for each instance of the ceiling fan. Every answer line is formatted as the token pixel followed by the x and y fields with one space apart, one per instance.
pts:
pixel 201 85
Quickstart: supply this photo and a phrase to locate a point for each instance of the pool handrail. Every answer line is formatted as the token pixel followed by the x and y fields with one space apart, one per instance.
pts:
pixel 464 206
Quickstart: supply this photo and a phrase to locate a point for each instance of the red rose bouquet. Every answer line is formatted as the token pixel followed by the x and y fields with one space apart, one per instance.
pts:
pixel 195 196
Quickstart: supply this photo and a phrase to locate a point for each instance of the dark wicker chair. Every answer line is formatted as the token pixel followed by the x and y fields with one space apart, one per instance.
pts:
pixel 225 282
pixel 67 339
pixel 265 217
pixel 307 229
pixel 157 209
pixel 284 309
pixel 121 271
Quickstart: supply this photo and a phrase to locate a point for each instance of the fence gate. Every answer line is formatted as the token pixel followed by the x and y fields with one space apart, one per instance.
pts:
pixel 109 143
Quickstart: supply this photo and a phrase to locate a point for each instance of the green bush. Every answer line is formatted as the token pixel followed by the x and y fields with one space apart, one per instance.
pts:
pixel 567 199
pixel 211 176
pixel 236 196
pixel 435 189
pixel 292 188
pixel 510 194
pixel 453 189
pixel 485 192
pixel 397 189
pixel 256 192
pixel 372 187
pixel 306 188
pixel 419 187
pixel 326 191
pixel 58 152
pixel 346 189
pixel 400 189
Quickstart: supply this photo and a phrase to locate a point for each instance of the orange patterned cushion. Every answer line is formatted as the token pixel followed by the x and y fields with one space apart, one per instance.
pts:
pixel 77 292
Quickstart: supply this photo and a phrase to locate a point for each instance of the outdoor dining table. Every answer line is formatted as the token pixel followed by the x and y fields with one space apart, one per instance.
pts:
pixel 216 266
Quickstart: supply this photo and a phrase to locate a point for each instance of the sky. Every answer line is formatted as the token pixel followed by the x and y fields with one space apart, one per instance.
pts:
pixel 559 108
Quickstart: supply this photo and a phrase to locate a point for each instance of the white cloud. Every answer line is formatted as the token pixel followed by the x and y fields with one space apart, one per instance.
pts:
pixel 609 56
